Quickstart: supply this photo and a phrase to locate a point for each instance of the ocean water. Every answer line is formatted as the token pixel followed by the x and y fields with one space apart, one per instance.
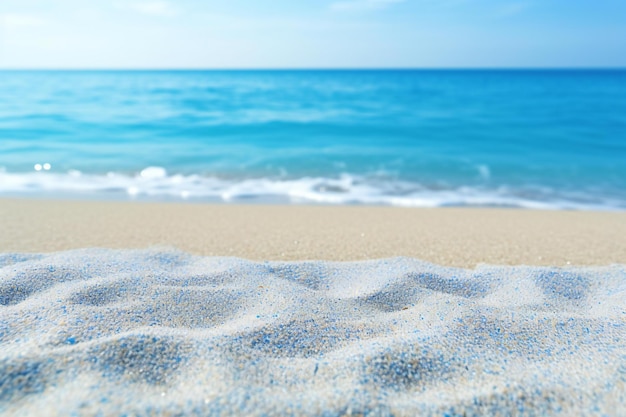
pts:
pixel 535 139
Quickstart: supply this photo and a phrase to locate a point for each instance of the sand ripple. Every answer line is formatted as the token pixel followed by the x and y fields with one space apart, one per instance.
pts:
pixel 160 332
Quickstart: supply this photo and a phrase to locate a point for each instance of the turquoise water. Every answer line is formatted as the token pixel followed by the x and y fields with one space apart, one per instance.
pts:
pixel 537 139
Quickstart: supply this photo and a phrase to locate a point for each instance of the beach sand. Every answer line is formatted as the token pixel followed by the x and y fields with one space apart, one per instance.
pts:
pixel 462 237
pixel 165 331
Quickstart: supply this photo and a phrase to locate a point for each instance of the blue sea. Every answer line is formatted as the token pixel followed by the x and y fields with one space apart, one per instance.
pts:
pixel 518 138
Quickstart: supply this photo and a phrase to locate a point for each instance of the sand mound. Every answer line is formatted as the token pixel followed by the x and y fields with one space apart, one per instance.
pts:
pixel 162 332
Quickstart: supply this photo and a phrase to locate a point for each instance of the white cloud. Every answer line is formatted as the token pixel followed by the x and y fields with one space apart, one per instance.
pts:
pixel 154 8
pixel 358 5
pixel 14 20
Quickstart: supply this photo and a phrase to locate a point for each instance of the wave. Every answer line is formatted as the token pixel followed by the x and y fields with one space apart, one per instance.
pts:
pixel 154 183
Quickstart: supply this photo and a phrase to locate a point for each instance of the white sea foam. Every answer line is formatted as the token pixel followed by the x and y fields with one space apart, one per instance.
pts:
pixel 101 332
pixel 156 183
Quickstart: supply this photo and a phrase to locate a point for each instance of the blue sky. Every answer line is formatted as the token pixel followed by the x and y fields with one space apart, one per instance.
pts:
pixel 312 33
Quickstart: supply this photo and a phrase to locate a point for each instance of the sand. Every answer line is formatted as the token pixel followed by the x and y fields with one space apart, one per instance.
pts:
pixel 162 331
pixel 462 237
pixel 127 332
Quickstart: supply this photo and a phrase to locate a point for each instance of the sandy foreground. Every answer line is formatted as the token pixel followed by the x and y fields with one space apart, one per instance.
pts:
pixel 462 237
pixel 160 331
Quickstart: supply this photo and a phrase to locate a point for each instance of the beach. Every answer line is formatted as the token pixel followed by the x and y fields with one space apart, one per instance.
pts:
pixel 460 237
pixel 309 242
pixel 110 308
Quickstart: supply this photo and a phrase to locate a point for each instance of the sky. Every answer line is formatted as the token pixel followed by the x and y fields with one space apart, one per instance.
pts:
pixel 44 34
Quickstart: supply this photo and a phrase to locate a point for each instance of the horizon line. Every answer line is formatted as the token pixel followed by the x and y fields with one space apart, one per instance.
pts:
pixel 191 69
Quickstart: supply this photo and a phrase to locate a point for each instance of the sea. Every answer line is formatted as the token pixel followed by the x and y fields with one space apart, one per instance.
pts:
pixel 539 139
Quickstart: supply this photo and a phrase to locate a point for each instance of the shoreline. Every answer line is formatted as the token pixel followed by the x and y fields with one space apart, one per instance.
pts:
pixel 460 237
